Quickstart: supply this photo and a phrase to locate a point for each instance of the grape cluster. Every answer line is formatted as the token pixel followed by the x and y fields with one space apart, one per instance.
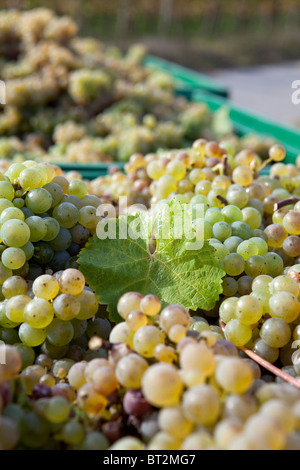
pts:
pixel 164 384
pixel 251 221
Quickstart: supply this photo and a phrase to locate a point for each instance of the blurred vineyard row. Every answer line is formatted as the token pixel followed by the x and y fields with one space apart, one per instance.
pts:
pixel 271 26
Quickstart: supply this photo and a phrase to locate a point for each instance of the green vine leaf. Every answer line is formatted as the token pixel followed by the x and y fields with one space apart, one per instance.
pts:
pixel 175 273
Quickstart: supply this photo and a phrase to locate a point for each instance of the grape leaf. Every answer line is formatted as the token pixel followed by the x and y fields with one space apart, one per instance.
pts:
pixel 174 272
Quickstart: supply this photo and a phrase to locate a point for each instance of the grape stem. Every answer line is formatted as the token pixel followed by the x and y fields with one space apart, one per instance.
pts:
pixel 222 199
pixel 267 365
pixel 265 163
pixel 290 200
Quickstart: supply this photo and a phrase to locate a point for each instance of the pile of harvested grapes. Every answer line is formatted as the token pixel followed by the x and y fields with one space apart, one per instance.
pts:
pixel 73 99
pixel 138 370
pixel 117 331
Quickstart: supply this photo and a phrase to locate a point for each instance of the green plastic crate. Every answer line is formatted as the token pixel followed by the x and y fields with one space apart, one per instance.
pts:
pixel 186 78
pixel 246 122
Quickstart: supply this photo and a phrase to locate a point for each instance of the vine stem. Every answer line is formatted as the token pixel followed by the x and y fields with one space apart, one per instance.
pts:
pixel 267 365
pixel 290 200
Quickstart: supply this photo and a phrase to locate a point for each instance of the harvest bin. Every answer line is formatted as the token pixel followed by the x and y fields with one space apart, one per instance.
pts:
pixel 244 123
pixel 186 78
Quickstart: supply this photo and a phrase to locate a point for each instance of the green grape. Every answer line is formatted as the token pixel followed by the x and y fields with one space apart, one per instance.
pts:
pixel 258 233
pixel 88 217
pixel 11 213
pixel 265 351
pixel 256 204
pixel 220 250
pixel 66 306
pixel 99 327
pixel 13 258
pixel 14 285
pixel 26 352
pixel 252 217
pixel 275 332
pixel 80 234
pixel 14 308
pixel 232 243
pixel 277 217
pixel 291 221
pixel 43 253
pixel 71 199
pixel 214 215
pixel 274 263
pixel 77 188
pixel 284 305
pixel 66 214
pixel 221 231
pixel 38 313
pixel 249 310
pixel 73 433
pixel 35 432
pixel 276 235
pixel 53 227
pixel 244 285
pixel 27 212
pixel 256 265
pixel 62 241
pixel 28 249
pixel 60 332
pixel 207 229
pixel 230 286
pixel 56 192
pixel 203 187
pixel 284 283
pixel 88 305
pixel 15 233
pixel 146 338
pixel 37 226
pixel 241 229
pixel 79 327
pixel 247 249
pixel 14 171
pixel 4 320
pixel 213 198
pixel 201 404
pixel 94 440
pixel 45 287
pixel 261 282
pixel 234 375
pixel 261 244
pixel 4 204
pixel 291 246
pixel 41 170
pixel 54 352
pixel 228 309
pixel 30 179
pixel 9 335
pixel 234 264
pixel 232 214
pixel 57 409
pixel 31 336
pixel 237 196
pixel 39 200
pixel 7 190
pixel 168 385
pixel 195 176
pixel 90 200
pixel 5 273
pixel 156 169
pixel 238 333
pixel 19 202
pixel 62 182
